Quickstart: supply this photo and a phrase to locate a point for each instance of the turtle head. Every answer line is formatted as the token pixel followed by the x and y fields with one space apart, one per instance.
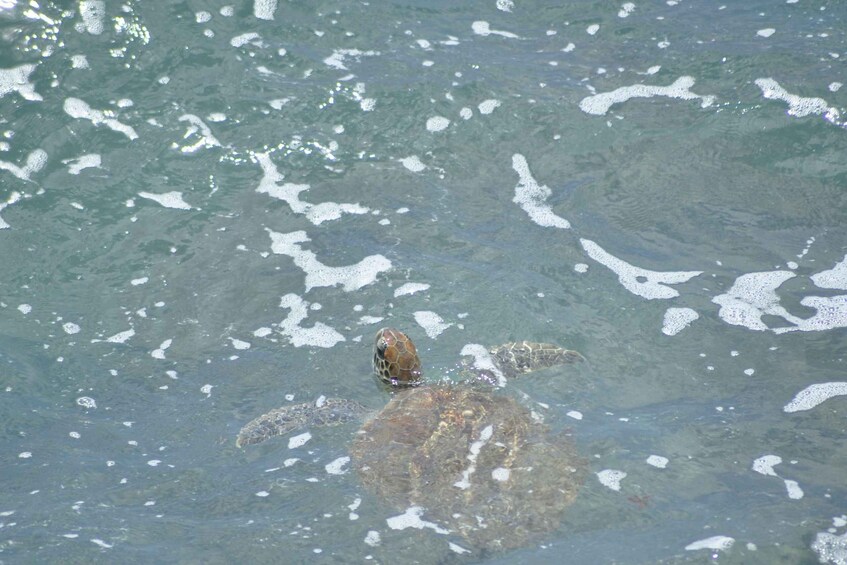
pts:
pixel 396 359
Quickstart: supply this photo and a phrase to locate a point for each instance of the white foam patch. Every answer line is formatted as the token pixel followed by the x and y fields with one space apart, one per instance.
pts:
pixel 367 321
pixel 793 489
pixel 641 282
pixel 532 197
pixel 413 163
pixel 833 278
pixel 350 277
pixel 677 319
pixel 101 543
pixel 278 103
pixel 34 163
pixel 319 335
pixel 411 518
pixel 599 104
pixel 338 58
pixel 611 478
pixel 483 361
pixel 353 507
pixel 337 467
pixel 410 288
pixel 831 313
pixel 592 29
pixel 13 198
pixel 798 106
pixel 717 543
pixel 814 395
pixel 764 465
pixel 250 38
pixel 372 538
pixel 86 402
pixel 121 337
pixel 171 199
pixel 626 9
pixel 487 106
pixel 752 296
pixel 238 344
pixel 290 194
pixel 437 123
pixel 160 352
pixel 473 453
pixel 89 161
pixel 198 128
pixel 482 28
pixel 16 79
pixel 93 14
pixel 766 32
pixel 457 548
pixel 657 461
pixel 367 104
pixel 432 323
pixel 79 109
pixel 505 5
pixel 79 62
pixel 500 474
pixel 299 440
pixel 575 414
pixel 264 9
pixel 830 548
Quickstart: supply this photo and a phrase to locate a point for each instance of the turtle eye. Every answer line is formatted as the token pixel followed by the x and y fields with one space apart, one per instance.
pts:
pixel 380 347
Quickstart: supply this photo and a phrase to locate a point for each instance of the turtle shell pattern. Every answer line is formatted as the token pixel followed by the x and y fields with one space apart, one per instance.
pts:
pixel 476 461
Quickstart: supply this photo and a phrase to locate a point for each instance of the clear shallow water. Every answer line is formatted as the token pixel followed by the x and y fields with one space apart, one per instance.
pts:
pixel 154 167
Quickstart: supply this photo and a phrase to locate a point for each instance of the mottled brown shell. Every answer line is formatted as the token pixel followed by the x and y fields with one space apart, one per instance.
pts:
pixel 477 462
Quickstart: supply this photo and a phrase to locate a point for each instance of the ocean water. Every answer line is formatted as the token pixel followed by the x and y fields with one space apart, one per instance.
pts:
pixel 208 209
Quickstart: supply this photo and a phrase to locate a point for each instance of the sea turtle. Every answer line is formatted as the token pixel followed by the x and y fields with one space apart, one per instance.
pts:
pixel 474 460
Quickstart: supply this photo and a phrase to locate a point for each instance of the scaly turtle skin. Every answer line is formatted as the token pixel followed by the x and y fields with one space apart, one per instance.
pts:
pixel 476 461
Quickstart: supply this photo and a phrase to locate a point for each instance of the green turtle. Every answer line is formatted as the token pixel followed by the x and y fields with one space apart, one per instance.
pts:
pixel 473 459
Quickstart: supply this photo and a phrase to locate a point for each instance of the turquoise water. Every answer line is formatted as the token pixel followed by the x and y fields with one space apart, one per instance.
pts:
pixel 208 210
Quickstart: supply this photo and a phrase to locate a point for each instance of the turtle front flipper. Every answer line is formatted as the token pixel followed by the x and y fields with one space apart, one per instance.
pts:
pixel 525 356
pixel 325 412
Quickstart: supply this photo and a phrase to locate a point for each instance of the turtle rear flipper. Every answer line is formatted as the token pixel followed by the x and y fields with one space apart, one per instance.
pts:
pixel 525 356
pixel 326 412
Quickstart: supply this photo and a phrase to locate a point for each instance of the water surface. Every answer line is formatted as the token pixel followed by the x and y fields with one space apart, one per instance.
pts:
pixel 208 210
